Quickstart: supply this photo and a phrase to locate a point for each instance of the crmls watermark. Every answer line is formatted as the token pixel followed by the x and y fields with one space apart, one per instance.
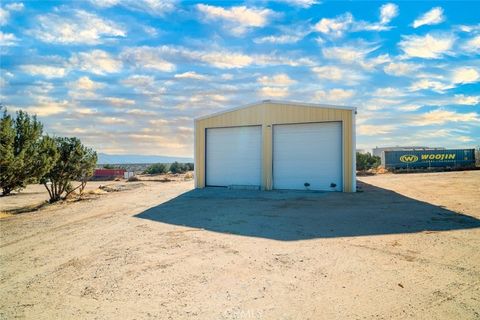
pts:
pixel 242 314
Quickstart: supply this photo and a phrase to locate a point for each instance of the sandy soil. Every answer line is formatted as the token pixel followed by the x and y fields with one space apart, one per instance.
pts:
pixel 407 247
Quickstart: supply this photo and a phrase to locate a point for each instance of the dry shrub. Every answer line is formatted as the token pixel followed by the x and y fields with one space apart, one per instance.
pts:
pixel 133 179
pixel 96 191
pixel 188 176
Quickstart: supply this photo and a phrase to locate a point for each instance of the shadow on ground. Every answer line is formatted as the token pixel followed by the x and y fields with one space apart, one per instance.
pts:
pixel 295 215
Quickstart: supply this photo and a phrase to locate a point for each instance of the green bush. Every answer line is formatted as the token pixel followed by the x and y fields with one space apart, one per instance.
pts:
pixel 366 161
pixel 23 155
pixel 178 167
pixel 157 168
pixel 72 161
pixel 189 166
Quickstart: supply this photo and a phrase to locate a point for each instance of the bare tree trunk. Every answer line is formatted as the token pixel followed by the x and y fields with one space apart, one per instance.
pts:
pixel 49 192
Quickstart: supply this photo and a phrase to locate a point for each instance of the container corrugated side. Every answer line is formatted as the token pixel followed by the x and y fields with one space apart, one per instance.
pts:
pixel 452 158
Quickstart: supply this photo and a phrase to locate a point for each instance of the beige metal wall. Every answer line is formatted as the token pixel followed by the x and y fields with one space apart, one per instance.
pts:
pixel 267 115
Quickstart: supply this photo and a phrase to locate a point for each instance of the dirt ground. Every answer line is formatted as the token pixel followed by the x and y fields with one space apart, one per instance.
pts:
pixel 407 247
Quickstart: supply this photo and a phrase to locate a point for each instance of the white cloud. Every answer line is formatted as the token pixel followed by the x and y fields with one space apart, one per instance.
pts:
pixel 469 28
pixel 203 100
pixel 388 92
pixel 4 16
pixel 388 12
pixel 152 7
pixel 209 97
pixel 105 3
pixel 191 75
pixel 163 57
pixel 334 95
pixel 84 111
pixel 138 81
pixel 140 112
pixel 300 3
pixel 338 26
pixel 426 84
pixel 96 61
pixel 337 74
pixel 409 107
pixel 44 70
pixel 151 31
pixel 272 59
pixel 46 106
pixel 356 54
pixel 274 92
pixel 374 130
pixel 239 19
pixel 401 68
pixel 434 16
pixel 85 83
pixel 8 39
pixel 428 46
pixel 15 6
pixel 335 27
pixel 148 58
pixel 145 85
pixel 5 12
pixel 472 45
pixel 465 139
pixel 466 100
pixel 111 120
pixel 441 116
pixel 224 60
pixel 280 79
pixel 78 27
pixel 465 75
pixel 369 64
pixel 275 86
pixel 281 39
pixel 119 102
pixel 84 88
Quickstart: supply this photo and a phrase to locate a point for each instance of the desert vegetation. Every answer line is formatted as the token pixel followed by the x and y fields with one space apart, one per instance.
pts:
pixel 162 168
pixel 28 156
pixel 367 161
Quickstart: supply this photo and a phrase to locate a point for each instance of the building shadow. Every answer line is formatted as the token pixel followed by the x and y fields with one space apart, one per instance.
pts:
pixel 297 215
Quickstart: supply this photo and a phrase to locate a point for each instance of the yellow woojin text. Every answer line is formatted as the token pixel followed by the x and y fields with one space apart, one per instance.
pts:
pixel 441 156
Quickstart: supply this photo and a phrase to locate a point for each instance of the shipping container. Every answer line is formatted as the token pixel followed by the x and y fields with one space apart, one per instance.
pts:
pixel 453 158
pixel 108 174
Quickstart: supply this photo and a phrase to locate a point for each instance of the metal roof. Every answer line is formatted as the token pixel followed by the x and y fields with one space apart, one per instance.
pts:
pixel 280 102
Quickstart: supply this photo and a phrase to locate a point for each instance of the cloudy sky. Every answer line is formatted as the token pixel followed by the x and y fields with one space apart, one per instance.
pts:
pixel 128 76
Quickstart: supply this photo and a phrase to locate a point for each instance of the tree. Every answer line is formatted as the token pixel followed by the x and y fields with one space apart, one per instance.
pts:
pixel 366 161
pixel 22 158
pixel 189 166
pixel 74 161
pixel 177 167
pixel 108 166
pixel 156 168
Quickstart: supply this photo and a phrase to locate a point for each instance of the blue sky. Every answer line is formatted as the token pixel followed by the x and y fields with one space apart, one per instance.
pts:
pixel 129 76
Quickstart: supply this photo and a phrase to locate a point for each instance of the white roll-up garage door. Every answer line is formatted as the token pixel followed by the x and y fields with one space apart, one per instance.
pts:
pixel 308 156
pixel 233 156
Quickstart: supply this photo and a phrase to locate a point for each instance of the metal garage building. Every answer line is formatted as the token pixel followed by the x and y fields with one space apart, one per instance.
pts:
pixel 277 145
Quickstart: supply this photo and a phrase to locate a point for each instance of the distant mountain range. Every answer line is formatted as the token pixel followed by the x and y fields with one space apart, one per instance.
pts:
pixel 104 158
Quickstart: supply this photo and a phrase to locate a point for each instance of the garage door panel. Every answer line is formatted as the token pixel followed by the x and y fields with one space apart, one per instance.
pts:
pixel 307 153
pixel 233 156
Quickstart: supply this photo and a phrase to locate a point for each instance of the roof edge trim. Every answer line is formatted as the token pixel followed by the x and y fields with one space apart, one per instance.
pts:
pixel 293 103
